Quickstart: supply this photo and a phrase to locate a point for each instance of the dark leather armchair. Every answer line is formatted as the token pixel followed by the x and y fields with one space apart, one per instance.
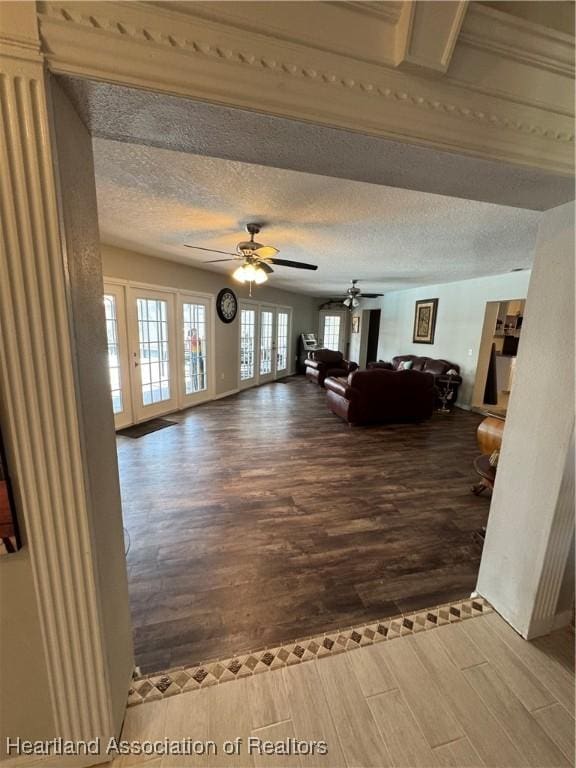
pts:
pixel 380 395
pixel 327 362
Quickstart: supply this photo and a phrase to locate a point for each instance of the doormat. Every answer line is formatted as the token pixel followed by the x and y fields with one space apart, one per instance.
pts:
pixel 139 430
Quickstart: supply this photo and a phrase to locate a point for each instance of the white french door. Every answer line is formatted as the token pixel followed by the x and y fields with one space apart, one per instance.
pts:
pixel 267 357
pixel 248 339
pixel 118 366
pixel 332 331
pixel 153 352
pixel 265 348
pixel 195 341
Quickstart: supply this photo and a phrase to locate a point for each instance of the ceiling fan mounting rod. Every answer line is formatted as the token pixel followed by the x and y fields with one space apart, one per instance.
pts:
pixel 253 229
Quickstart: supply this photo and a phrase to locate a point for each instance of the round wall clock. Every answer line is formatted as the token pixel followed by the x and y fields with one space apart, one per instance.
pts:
pixel 226 305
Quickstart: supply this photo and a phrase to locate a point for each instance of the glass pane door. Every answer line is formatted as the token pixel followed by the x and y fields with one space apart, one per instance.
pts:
pixel 247 346
pixel 153 354
pixel 118 369
pixel 267 368
pixel 195 324
pixel 282 341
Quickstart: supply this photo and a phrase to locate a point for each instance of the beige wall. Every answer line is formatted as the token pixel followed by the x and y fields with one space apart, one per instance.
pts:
pixel 25 707
pixel 128 265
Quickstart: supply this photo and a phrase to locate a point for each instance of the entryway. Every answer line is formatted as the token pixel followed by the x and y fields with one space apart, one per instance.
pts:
pixel 496 368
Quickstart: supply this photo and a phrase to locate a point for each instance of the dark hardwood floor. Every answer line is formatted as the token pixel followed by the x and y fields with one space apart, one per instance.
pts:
pixel 263 518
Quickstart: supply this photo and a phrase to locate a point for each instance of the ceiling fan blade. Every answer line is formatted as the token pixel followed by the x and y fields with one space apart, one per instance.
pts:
pixel 295 264
pixel 266 251
pixel 217 261
pixel 371 295
pixel 212 250
pixel 266 267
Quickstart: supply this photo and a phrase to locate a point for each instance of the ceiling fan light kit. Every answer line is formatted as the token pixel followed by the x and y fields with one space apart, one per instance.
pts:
pixel 250 273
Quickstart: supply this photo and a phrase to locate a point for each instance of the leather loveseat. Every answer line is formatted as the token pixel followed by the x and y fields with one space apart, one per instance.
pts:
pixel 438 368
pixel 381 395
pixel 327 362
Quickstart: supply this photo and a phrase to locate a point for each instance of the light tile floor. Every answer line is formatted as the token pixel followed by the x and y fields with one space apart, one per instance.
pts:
pixel 466 694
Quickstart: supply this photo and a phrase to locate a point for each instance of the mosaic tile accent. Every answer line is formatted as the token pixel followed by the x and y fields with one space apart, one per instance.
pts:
pixel 184 679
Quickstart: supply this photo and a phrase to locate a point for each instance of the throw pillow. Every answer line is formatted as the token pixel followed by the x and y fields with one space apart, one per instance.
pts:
pixel 405 365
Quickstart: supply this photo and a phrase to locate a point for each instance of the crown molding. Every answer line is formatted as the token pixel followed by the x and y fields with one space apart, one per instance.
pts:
pixel 379 10
pixel 139 45
pixel 516 39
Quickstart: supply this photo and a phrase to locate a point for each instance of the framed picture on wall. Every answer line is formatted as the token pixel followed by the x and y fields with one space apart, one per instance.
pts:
pixel 425 321
pixel 9 535
pixel 356 324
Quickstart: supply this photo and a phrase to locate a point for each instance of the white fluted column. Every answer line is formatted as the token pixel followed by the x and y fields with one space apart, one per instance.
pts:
pixel 40 378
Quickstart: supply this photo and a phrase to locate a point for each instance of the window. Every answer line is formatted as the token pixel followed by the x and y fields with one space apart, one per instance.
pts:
pixel 266 327
pixel 153 348
pixel 113 352
pixel 282 341
pixel 247 343
pixel 195 348
pixel 331 334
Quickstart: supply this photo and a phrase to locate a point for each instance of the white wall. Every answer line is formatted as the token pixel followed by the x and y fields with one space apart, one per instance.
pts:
pixel 128 265
pixel 461 308
pixel 531 524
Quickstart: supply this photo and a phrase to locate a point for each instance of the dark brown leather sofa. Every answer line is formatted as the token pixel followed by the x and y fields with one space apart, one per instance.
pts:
pixel 438 368
pixel 380 395
pixel 327 362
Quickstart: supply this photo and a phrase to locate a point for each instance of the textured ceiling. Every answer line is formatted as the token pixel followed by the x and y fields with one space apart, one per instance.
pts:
pixel 153 200
pixel 186 125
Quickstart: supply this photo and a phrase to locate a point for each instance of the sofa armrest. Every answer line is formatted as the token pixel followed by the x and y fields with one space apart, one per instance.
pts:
pixel 338 387
pixel 350 366
pixel 312 363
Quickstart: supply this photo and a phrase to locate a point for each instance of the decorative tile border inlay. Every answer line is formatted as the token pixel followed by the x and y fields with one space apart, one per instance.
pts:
pixel 182 679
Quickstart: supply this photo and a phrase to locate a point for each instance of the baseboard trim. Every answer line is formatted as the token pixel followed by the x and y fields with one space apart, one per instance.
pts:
pixel 549 624
pixel 226 394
